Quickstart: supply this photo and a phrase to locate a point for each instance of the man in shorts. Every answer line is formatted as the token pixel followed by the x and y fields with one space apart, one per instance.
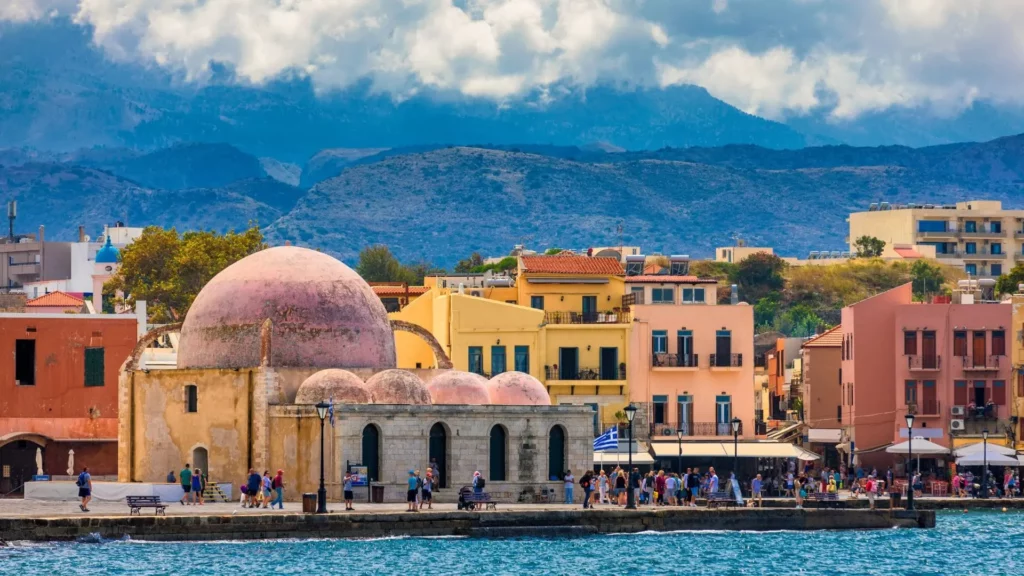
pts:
pixel 186 483
pixel 428 491
pixel 348 491
pixel 411 497
pixel 85 488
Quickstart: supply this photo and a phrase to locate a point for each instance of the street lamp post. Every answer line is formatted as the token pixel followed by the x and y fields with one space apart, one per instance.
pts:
pixel 321 494
pixel 679 435
pixel 736 447
pixel 630 502
pixel 984 460
pixel 910 462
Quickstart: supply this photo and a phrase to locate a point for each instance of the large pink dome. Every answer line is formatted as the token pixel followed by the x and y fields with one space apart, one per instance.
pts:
pixel 339 386
pixel 323 315
pixel 517 389
pixel 397 387
pixel 456 387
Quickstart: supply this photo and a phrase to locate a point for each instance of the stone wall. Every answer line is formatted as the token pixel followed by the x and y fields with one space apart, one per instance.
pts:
pixel 361 525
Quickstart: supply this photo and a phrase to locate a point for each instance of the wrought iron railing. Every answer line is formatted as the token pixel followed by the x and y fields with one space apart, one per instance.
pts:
pixel 610 374
pixel 587 317
pixel 691 429
pixel 726 360
pixel 924 362
pixel 674 360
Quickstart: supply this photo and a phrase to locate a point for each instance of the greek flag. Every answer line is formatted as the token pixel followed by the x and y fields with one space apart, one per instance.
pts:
pixel 607 441
pixel 330 411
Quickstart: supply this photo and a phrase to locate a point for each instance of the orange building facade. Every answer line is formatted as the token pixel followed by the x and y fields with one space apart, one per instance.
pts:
pixel 58 392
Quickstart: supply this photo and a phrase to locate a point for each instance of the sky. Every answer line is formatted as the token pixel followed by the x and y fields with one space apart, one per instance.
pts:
pixel 773 58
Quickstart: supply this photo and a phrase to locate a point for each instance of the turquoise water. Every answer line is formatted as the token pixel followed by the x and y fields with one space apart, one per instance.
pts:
pixel 975 543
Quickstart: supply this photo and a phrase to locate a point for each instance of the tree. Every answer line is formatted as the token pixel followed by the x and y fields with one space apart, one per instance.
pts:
pixel 799 321
pixel 927 278
pixel 168 271
pixel 765 310
pixel 758 275
pixel 377 264
pixel 1007 283
pixel 552 251
pixel 467 265
pixel 869 247
pixel 505 264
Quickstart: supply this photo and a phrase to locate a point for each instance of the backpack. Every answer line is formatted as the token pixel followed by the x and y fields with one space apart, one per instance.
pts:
pixel 480 482
pixel 585 482
pixel 81 480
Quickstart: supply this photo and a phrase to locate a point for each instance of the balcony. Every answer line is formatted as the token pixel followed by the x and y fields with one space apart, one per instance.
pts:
pixel 24 268
pixel 1018 234
pixel 586 318
pixel 675 361
pixel 1018 255
pixel 982 234
pixel 980 364
pixel 726 361
pixel 693 429
pixel 919 363
pixel 983 255
pixel 613 375
pixel 937 234
pixel 953 254
pixel 926 408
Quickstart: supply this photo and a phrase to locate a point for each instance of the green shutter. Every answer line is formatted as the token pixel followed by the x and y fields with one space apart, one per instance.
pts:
pixel 94 366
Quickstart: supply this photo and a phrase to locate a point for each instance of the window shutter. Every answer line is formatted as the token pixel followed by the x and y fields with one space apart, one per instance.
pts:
pixel 999 392
pixel 94 366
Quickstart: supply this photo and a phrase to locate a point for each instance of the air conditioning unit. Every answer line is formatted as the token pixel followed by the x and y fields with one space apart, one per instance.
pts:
pixel 956 425
pixel 957 411
pixel 668 432
pixel 476 293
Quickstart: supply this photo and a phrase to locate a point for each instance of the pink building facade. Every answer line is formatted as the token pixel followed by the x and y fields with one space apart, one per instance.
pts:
pixel 953 369
pixel 691 364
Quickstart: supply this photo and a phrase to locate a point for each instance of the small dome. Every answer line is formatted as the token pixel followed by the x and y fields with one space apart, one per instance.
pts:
pixel 108 254
pixel 397 387
pixel 322 314
pixel 517 389
pixel 457 387
pixel 341 386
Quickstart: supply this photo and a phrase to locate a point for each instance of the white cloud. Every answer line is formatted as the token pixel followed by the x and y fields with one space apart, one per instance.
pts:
pixel 769 57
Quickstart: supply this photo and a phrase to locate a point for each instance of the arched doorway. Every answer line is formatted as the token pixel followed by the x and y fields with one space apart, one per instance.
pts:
pixel 371 452
pixel 17 464
pixel 499 454
pixel 556 453
pixel 439 452
pixel 201 460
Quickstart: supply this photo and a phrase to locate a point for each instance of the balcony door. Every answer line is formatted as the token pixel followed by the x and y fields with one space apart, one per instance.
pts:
pixel 685 408
pixel 609 369
pixel 568 363
pixel 928 354
pixel 590 308
pixel 684 346
pixel 978 349
pixel 723 415
pixel 723 348
pixel 929 403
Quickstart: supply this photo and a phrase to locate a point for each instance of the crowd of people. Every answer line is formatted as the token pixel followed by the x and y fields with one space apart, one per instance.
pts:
pixel 654 489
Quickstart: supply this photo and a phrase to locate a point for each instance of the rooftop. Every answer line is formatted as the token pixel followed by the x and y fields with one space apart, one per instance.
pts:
pixel 399 290
pixel 571 264
pixel 830 339
pixel 55 299
pixel 669 279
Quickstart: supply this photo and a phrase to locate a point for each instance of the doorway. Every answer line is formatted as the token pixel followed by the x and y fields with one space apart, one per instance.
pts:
pixel 568 363
pixel 590 308
pixel 439 452
pixel 556 453
pixel 371 452
pixel 17 465
pixel 609 369
pixel 201 460
pixel 978 349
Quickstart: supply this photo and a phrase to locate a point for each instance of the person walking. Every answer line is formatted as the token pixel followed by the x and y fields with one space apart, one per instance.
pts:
pixel 437 473
pixel 799 492
pixel 347 488
pixel 713 481
pixel 277 484
pixel 410 496
pixel 660 485
pixel 694 487
pixel 84 483
pixel 602 488
pixel 265 483
pixel 185 476
pixel 870 486
pixel 586 482
pixel 755 492
pixel 570 482
pixel 620 488
pixel 252 486
pixel 198 486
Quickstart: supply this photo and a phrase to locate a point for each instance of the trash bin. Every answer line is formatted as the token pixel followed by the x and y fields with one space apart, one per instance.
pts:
pixel 377 494
pixel 895 499
pixel 309 503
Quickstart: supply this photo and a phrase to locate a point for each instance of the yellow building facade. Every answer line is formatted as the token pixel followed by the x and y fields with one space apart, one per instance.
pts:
pixel 1017 389
pixel 562 322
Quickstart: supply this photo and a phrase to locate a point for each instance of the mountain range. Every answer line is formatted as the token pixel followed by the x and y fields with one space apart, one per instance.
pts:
pixel 440 203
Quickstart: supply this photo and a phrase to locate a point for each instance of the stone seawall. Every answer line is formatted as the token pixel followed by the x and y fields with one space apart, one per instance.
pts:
pixel 502 523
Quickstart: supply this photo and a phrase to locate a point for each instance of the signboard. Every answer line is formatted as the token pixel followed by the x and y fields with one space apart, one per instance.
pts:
pixel 360 475
pixel 41 478
pixel 926 433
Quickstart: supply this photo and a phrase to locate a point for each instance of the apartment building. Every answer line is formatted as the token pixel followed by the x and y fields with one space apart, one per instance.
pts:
pixel 691 359
pixel 821 387
pixel 978 235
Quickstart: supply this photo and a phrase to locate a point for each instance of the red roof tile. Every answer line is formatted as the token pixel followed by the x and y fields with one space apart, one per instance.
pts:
pixel 571 264
pixel 399 290
pixel 830 339
pixel 55 299
pixel 669 279
pixel 907 252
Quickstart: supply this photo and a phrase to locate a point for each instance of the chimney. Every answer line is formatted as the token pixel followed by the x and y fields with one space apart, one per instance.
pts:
pixel 42 233
pixel 735 297
pixel 81 233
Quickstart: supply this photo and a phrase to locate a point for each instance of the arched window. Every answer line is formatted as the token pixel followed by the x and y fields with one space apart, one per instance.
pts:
pixel 499 453
pixel 439 452
pixel 371 451
pixel 556 453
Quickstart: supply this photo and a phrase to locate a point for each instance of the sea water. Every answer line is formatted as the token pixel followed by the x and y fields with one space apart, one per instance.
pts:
pixel 990 543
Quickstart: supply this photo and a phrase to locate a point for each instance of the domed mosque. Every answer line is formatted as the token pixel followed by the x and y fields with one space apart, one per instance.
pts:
pixel 286 329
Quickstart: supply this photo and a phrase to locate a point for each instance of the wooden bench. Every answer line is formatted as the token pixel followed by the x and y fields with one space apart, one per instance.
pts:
pixel 137 503
pixel 825 499
pixel 716 499
pixel 474 500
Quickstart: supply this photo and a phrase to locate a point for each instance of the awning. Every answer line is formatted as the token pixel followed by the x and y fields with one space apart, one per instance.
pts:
pixel 622 458
pixel 920 446
pixel 785 431
pixel 726 450
pixel 824 435
pixel 992 459
pixel 980 447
